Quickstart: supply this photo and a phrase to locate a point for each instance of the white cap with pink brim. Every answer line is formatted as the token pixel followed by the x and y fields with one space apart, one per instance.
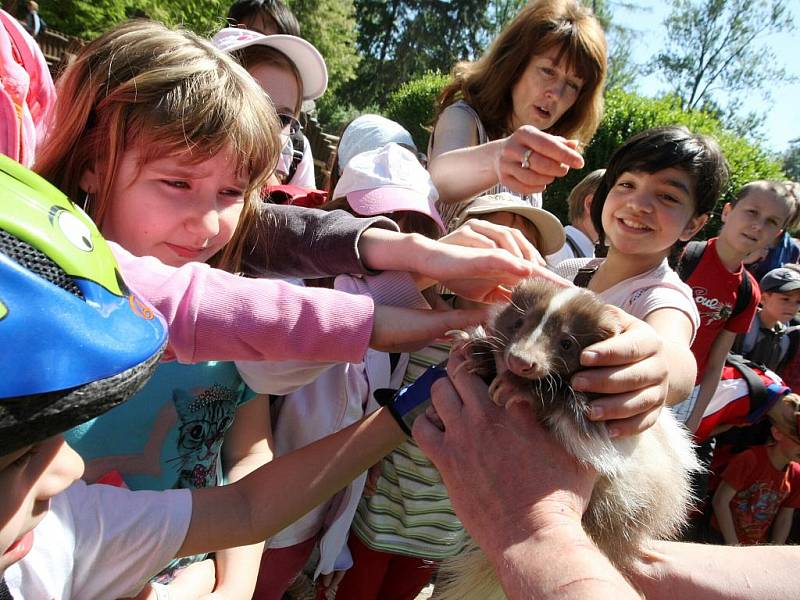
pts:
pixel 387 180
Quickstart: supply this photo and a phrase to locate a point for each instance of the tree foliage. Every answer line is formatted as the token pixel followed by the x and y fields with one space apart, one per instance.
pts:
pixel 88 19
pixel 791 160
pixel 331 26
pixel 413 105
pixel 401 39
pixel 328 24
pixel 718 45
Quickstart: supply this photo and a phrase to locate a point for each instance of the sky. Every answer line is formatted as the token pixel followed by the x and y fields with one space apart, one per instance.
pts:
pixel 782 122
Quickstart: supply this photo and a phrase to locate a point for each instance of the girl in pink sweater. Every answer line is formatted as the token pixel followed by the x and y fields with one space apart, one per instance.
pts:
pixel 167 142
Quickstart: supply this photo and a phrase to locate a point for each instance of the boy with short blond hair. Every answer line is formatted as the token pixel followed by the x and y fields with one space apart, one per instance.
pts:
pixel 751 221
pixel 581 236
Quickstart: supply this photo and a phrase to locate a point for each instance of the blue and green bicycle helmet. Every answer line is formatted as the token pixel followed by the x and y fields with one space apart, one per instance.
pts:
pixel 74 340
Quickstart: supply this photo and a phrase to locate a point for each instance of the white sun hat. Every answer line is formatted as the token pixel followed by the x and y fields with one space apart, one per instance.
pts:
pixel 306 58
pixel 387 180
pixel 547 224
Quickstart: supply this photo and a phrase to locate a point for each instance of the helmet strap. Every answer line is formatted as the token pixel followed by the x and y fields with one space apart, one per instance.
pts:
pixel 87 203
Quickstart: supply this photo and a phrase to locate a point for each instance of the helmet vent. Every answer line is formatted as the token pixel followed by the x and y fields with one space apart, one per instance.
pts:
pixel 37 262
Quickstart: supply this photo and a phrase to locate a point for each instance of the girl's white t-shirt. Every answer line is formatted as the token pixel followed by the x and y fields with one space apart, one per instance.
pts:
pixel 660 287
pixel 99 542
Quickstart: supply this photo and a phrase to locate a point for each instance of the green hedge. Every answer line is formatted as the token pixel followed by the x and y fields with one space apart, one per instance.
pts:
pixel 412 105
pixel 626 114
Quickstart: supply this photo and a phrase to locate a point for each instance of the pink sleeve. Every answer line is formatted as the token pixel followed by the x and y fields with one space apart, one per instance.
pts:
pixel 214 315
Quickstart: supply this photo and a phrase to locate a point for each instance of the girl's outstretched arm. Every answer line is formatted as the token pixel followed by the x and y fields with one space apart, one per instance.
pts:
pixel 215 315
pixel 283 490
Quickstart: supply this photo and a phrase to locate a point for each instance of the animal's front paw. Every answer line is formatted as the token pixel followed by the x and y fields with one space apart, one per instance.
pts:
pixel 504 390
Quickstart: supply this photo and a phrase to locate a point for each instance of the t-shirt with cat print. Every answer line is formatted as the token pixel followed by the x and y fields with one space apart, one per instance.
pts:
pixel 168 435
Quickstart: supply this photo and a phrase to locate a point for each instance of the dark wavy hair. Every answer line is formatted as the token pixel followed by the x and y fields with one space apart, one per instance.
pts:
pixel 663 148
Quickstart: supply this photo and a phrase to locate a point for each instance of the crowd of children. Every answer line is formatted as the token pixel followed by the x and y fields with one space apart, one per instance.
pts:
pixel 230 421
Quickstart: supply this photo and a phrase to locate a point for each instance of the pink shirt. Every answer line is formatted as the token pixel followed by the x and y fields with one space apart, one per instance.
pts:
pixel 214 315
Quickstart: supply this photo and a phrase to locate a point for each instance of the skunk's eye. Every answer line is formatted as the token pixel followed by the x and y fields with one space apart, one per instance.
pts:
pixel 517 324
pixel 567 344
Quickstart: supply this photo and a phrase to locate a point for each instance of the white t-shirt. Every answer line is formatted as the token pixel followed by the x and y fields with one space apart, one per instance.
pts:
pixel 581 240
pixel 101 542
pixel 304 174
pixel 660 287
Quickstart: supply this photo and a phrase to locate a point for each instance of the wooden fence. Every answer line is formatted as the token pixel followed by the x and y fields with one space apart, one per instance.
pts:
pixel 323 147
pixel 57 49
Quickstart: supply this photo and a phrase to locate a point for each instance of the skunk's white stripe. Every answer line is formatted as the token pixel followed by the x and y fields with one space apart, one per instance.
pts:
pixel 556 302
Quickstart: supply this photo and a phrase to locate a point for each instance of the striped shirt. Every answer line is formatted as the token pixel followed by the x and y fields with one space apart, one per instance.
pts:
pixel 410 512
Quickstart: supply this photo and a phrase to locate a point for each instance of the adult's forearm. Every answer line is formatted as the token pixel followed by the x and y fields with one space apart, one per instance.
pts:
pixel 466 172
pixel 677 570
pixel 561 563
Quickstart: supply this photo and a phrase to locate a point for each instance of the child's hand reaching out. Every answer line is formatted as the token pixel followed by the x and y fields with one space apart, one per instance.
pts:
pixel 491 258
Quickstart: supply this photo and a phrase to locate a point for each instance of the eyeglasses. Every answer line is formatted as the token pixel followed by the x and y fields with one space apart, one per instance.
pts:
pixel 289 123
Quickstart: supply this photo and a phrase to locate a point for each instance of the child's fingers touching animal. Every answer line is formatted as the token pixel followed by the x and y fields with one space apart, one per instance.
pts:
pixel 476 233
pixel 636 340
pixel 491 290
pixel 629 413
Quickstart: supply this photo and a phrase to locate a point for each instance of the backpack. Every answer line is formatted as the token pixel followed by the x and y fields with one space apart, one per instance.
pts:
pixel 689 260
pixel 576 251
pixel 298 147
pixel 767 348
pixel 755 385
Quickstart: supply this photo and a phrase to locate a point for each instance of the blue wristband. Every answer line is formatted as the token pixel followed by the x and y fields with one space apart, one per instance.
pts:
pixel 411 401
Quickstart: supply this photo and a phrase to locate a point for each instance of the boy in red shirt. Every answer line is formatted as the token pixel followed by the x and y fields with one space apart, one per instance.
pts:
pixel 750 222
pixel 761 486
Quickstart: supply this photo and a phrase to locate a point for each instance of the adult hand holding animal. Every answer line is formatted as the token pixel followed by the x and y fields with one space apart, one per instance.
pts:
pixel 516 515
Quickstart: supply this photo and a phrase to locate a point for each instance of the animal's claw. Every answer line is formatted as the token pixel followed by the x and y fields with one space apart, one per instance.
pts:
pixel 502 390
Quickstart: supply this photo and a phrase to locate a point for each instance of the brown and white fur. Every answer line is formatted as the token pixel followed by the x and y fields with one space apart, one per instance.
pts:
pixel 534 345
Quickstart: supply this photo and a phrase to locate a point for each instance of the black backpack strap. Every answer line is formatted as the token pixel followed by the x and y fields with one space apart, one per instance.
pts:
pixel 298 147
pixel 743 295
pixel 576 251
pixel 690 258
pixel 757 389
pixel 794 342
pixel 586 272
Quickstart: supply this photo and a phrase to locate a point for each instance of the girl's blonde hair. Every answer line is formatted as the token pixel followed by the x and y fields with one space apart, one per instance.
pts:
pixel 165 92
pixel 486 84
